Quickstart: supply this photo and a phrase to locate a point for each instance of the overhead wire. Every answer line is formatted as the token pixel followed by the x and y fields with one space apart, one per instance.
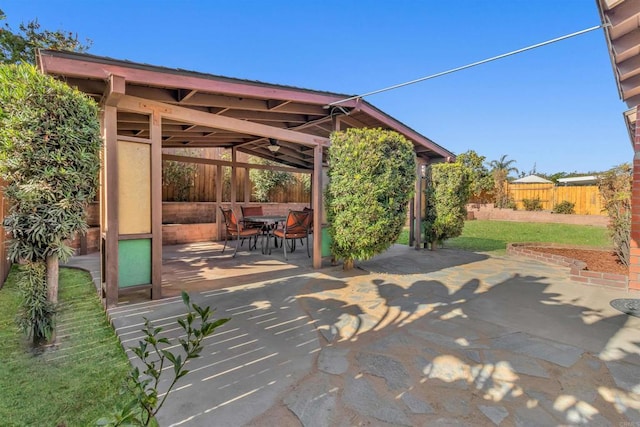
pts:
pixel 464 67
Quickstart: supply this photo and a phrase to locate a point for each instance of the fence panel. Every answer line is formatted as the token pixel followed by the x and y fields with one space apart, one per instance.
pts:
pixel 520 192
pixel 586 198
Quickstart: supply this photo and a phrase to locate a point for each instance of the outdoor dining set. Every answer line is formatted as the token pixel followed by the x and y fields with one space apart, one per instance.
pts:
pixel 282 230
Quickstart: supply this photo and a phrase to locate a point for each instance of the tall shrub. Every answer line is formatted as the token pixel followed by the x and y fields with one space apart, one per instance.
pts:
pixel 371 179
pixel 447 193
pixel 49 158
pixel 615 189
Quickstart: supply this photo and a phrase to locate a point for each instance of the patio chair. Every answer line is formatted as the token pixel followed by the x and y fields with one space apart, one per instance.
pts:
pixel 236 229
pixel 296 227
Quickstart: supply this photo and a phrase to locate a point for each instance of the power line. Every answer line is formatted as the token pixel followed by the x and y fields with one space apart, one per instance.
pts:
pixel 464 67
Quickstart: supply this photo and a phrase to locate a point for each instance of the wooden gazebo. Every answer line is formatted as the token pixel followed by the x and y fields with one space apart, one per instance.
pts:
pixel 147 108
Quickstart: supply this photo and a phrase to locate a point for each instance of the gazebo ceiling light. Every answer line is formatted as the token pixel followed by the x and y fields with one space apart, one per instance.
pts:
pixel 273 145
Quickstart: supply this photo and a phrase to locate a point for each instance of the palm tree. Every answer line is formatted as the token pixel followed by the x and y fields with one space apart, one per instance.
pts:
pixel 503 165
pixel 500 169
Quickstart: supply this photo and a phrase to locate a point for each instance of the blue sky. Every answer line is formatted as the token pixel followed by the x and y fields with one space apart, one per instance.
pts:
pixel 556 107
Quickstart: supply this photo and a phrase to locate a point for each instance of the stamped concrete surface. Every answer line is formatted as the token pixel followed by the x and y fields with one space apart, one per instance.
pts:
pixel 413 338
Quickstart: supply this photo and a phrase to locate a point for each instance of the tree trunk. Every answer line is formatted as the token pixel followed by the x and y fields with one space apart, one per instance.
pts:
pixel 52 278
pixel 432 246
pixel 347 264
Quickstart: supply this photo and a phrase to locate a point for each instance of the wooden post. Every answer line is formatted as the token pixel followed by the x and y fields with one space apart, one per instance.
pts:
pixel 316 201
pixel 219 219
pixel 247 186
pixel 234 153
pixel 156 205
pixel 418 206
pixel 412 218
pixel 110 226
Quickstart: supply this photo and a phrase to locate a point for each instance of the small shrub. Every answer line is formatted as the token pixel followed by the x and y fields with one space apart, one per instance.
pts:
pixel 155 355
pixel 447 194
pixel 532 204
pixel 565 207
pixel 615 188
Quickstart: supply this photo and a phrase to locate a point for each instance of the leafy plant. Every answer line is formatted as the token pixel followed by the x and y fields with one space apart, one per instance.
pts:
pixel 264 181
pixel 532 204
pixel 565 207
pixel 36 314
pixel 180 175
pixel 446 195
pixel 155 355
pixel 49 159
pixel 478 176
pixel 371 179
pixel 615 188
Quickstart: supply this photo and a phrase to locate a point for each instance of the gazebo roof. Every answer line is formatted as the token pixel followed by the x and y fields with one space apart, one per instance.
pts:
pixel 283 107
pixel 622 33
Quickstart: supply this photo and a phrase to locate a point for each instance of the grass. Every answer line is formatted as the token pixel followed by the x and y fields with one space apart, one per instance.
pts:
pixel 493 236
pixel 73 383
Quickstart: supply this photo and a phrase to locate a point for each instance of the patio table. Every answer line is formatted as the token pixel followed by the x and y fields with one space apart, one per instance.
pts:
pixel 270 222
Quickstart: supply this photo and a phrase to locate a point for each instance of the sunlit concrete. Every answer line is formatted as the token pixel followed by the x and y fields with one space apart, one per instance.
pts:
pixel 407 338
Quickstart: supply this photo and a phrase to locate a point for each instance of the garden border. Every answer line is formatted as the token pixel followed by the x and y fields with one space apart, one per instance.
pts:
pixel 577 268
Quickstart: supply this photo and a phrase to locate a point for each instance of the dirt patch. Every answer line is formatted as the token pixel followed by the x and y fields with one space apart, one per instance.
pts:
pixel 603 261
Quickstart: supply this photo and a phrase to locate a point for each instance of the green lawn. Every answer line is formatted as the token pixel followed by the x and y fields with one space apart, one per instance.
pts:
pixel 72 384
pixel 493 236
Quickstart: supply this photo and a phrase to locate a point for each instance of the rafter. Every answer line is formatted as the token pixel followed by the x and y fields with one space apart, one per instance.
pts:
pixel 132 103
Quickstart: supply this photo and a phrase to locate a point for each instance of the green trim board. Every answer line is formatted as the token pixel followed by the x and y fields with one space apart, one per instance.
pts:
pixel 134 262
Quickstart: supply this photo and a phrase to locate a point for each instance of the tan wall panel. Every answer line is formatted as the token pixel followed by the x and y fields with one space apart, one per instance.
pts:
pixel 134 187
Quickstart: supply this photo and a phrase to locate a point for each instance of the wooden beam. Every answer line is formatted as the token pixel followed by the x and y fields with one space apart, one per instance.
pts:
pixel 184 95
pixel 78 65
pixel 202 161
pixel 114 90
pixel 187 115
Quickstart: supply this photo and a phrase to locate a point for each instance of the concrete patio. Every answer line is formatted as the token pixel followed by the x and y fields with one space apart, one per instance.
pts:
pixel 408 338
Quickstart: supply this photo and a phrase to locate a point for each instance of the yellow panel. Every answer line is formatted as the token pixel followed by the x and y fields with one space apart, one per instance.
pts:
pixel 134 187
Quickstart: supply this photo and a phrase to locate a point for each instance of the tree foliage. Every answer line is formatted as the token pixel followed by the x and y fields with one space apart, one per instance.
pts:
pixel 180 175
pixel 49 159
pixel 371 180
pixel 478 176
pixel 264 181
pixel 615 189
pixel 500 170
pixel 21 45
pixel 447 194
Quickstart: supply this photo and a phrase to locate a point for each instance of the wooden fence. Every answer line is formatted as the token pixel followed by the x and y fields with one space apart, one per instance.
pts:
pixel 586 198
pixel 204 189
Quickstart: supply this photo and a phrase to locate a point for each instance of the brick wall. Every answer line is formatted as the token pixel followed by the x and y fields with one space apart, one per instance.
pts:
pixel 488 212
pixel 577 269
pixel 183 222
pixel 93 241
